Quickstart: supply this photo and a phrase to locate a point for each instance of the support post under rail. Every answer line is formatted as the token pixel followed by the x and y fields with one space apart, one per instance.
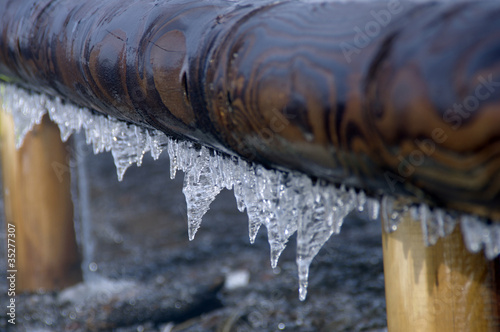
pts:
pixel 439 288
pixel 38 203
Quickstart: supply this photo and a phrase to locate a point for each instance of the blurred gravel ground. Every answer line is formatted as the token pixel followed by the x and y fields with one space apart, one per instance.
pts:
pixel 147 276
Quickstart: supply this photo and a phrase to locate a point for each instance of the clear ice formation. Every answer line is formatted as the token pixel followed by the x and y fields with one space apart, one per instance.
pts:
pixel 284 202
pixel 29 109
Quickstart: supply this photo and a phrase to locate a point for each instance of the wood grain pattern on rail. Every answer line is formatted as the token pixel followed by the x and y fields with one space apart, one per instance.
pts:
pixel 395 96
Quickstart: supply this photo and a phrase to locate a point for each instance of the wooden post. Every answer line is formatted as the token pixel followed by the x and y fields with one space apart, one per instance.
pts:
pixel 38 202
pixel 439 288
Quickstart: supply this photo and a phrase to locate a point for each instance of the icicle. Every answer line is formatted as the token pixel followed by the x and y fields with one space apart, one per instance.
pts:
pixel 389 220
pixel 215 163
pixel 185 153
pixel 239 180
pixel 27 110
pixel 439 215
pixel 429 226
pixel 492 243
pixel 449 223
pixel 474 232
pixel 415 213
pixel 172 149
pixel 157 141
pixel 200 187
pixel 251 200
pixel 140 144
pixel 345 203
pixel 305 252
pixel 479 234
pixel 361 198
pixel 229 165
pixel 69 118
pixel 124 145
pixel 292 190
pixel 435 224
pixel 267 186
pixel 373 208
pixel 392 212
pixel 324 203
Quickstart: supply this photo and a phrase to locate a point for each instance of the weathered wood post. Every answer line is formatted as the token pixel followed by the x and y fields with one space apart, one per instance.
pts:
pixel 439 288
pixel 38 202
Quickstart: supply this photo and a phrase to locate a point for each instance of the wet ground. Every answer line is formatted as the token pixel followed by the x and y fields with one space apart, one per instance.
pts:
pixel 144 275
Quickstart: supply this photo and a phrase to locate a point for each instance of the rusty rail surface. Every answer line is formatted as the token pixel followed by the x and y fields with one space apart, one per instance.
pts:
pixel 389 96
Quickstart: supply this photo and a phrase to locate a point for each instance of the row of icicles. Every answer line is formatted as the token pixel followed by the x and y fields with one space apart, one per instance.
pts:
pixel 284 202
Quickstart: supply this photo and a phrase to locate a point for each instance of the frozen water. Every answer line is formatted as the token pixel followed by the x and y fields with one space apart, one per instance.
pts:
pixel 322 215
pixel 268 199
pixel 361 198
pixel 435 223
pixel 284 202
pixel 200 187
pixel 247 198
pixel 28 109
pixel 479 234
pixel 127 142
pixel 373 208
pixel 393 211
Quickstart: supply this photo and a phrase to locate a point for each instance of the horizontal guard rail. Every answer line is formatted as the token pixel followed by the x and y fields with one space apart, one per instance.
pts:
pixel 389 97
